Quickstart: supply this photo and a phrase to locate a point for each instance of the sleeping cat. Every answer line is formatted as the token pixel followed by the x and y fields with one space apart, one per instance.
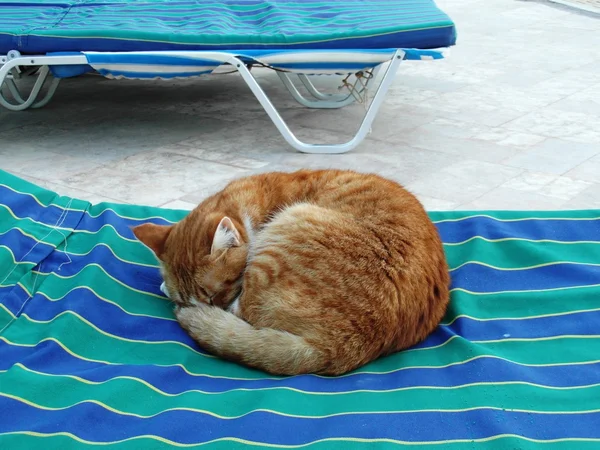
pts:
pixel 304 272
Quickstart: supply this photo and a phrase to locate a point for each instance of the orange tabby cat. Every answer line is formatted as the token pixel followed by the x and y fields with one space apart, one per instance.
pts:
pixel 305 272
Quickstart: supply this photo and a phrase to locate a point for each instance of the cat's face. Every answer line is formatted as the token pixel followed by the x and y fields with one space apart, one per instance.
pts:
pixel 200 262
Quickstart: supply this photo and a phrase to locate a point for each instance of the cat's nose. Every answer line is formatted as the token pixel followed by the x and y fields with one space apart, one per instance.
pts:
pixel 163 288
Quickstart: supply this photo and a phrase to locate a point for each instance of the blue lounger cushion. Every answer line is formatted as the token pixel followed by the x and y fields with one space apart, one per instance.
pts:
pixel 42 26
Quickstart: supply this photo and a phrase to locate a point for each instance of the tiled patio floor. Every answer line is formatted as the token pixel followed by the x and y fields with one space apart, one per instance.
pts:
pixel 511 120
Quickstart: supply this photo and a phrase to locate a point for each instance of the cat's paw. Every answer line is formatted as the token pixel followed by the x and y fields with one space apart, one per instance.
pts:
pixel 187 315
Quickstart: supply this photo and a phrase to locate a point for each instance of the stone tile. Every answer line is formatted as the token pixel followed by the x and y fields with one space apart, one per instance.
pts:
pixel 436 204
pixel 408 162
pixel 453 128
pixel 465 109
pixel 10 120
pixel 523 79
pixel 392 120
pixel 565 188
pixel 111 138
pixel 573 126
pixel 463 182
pixel 445 186
pixel 553 156
pixel 503 97
pixel 588 199
pixel 198 149
pixel 412 82
pixel 519 90
pixel 49 166
pixel 467 130
pixel 530 181
pixel 504 198
pixel 156 178
pixel 588 170
pixel 482 172
pixel 68 191
pixel 586 101
pixel 179 205
pixel 464 148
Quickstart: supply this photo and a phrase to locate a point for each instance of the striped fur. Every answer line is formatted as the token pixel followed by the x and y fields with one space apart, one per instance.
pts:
pixel 344 268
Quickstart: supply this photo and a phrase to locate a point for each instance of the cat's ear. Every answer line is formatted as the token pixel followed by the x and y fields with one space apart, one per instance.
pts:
pixel 226 236
pixel 153 236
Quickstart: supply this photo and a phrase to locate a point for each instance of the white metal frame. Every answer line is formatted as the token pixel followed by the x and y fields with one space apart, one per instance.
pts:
pixel 321 100
pixel 11 64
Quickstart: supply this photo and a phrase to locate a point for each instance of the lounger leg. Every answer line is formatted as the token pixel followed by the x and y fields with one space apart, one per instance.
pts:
pixel 310 87
pixel 331 103
pixel 323 101
pixel 20 103
pixel 364 128
pixel 13 60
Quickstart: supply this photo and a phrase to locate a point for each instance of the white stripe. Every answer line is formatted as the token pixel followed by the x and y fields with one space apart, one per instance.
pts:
pixel 152 68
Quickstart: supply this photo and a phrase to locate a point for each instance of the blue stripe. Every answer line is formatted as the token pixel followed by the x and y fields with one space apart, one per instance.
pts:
pixel 87 305
pixel 21 246
pixel 189 427
pixel 535 229
pixel 478 278
pixel 49 357
pixel 138 277
pixel 167 60
pixel 422 39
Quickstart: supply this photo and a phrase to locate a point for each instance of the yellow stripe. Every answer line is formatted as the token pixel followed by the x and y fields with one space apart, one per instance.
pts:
pixel 302 391
pixel 540 316
pixel 539 339
pixel 114 336
pixel 292 416
pixel 364 372
pixel 104 299
pixel 38 241
pixel 22 286
pixel 134 263
pixel 141 219
pixel 521 219
pixel 8 311
pixel 53 227
pixel 512 269
pixel 137 219
pixel 318 441
pixel 137 341
pixel 14 260
pixel 495 341
pixel 61 345
pixel 25 193
pixel 525 291
pixel 67 277
pixel 452 244
pixel 107 226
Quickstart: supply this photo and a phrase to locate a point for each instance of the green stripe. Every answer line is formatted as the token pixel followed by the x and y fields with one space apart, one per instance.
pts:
pixel 5 317
pixel 571 215
pixel 60 442
pixel 504 254
pixel 83 340
pixel 511 305
pixel 41 390
pixel 94 279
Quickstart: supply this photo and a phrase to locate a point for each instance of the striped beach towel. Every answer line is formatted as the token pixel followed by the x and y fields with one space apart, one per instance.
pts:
pixel 91 356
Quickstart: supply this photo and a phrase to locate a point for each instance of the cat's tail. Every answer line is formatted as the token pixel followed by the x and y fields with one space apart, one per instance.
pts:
pixel 228 336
